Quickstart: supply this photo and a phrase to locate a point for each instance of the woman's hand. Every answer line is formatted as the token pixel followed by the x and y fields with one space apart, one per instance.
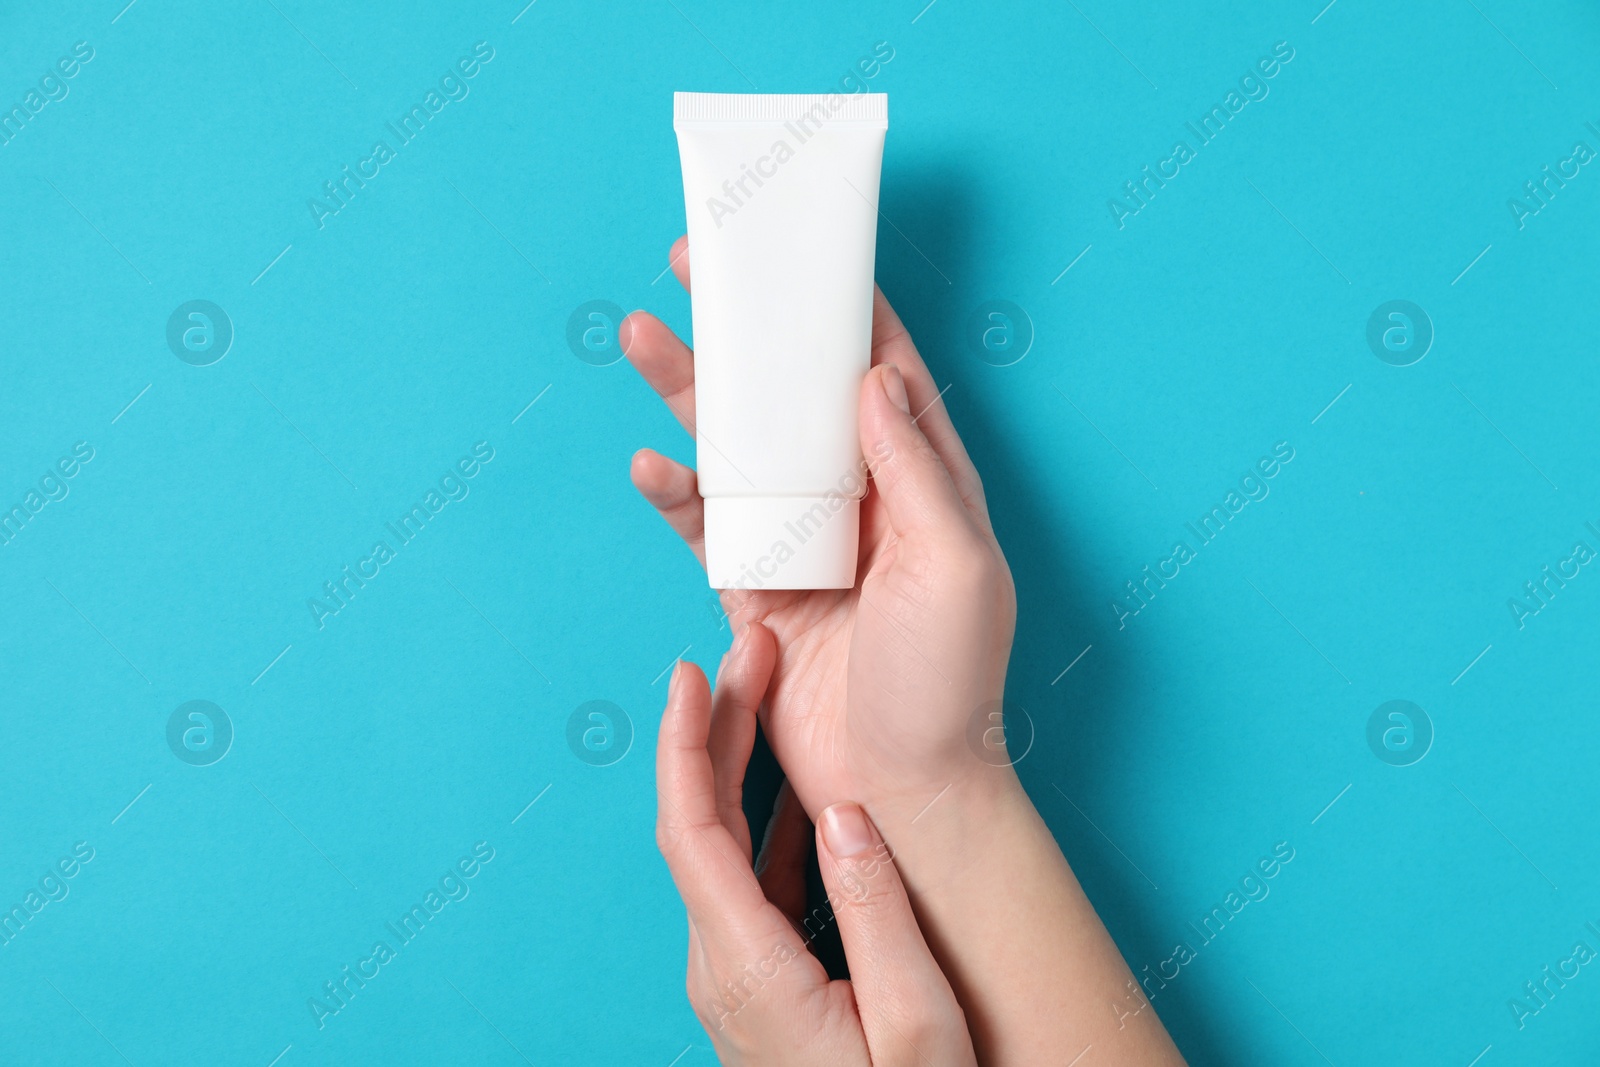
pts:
pixel 874 688
pixel 753 983
pixel 882 695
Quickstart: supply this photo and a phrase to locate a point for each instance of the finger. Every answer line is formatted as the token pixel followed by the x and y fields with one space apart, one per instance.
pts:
pixel 781 866
pixel 668 365
pixel 746 962
pixel 741 683
pixel 718 887
pixel 916 486
pixel 662 360
pixel 891 343
pixel 678 259
pixel 674 491
pixel 907 1008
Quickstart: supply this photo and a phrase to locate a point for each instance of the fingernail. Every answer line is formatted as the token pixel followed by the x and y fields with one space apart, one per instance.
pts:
pixel 895 386
pixel 846 831
pixel 672 683
pixel 730 655
pixel 625 330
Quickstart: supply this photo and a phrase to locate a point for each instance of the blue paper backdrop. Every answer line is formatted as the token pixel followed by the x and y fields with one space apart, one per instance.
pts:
pixel 377 340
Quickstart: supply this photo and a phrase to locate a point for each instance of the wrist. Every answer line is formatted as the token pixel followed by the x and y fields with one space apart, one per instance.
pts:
pixel 943 835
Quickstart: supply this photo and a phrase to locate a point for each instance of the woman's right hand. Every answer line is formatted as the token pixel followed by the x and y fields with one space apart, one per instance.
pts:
pixel 761 995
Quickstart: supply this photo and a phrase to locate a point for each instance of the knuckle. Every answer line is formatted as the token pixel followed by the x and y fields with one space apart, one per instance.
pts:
pixel 694 986
pixel 976 570
pixel 931 1032
pixel 701 988
pixel 670 841
pixel 921 458
pixel 869 885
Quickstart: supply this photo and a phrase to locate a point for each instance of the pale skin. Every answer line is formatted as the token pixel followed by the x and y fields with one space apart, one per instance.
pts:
pixel 867 697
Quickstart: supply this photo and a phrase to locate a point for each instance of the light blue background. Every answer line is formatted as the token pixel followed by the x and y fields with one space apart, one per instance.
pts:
pixel 426 716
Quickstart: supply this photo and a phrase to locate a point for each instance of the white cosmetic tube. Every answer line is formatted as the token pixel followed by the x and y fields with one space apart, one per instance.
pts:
pixel 782 199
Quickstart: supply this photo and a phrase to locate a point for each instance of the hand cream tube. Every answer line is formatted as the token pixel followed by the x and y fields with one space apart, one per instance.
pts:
pixel 782 198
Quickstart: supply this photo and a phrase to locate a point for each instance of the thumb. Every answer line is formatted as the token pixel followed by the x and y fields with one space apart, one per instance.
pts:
pixel 915 484
pixel 907 1009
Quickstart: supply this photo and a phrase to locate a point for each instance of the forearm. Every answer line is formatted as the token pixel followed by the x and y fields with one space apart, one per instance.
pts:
pixel 1031 963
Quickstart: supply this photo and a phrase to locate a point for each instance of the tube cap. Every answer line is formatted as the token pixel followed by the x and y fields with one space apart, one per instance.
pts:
pixel 782 542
